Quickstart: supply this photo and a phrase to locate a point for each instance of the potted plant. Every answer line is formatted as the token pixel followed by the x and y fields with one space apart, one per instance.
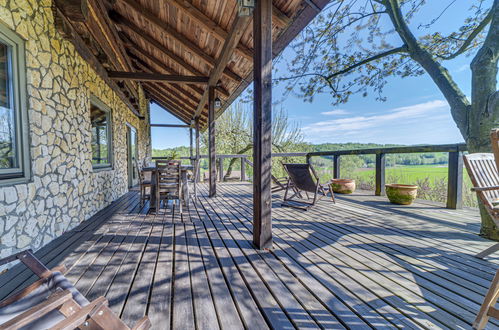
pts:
pixel 343 186
pixel 403 194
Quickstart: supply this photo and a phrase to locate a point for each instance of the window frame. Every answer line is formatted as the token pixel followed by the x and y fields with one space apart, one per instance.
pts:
pixel 17 55
pixel 96 102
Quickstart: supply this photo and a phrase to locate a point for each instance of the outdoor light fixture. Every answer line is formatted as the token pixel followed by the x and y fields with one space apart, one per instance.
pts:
pixel 218 103
pixel 245 7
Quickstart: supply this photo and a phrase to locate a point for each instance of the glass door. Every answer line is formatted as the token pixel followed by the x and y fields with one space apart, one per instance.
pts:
pixel 132 156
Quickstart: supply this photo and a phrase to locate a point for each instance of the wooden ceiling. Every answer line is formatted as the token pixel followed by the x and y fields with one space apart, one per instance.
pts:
pixel 179 47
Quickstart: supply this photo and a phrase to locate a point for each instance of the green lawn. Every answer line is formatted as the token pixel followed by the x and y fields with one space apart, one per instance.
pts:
pixel 406 174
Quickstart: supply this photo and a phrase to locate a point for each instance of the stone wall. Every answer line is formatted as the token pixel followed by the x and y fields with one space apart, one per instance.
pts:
pixel 64 189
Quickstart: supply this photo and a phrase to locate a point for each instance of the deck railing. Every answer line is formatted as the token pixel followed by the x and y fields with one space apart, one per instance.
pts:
pixel 455 165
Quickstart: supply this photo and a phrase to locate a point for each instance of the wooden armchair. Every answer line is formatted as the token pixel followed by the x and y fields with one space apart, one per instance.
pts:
pixel 53 302
pixel 303 178
pixel 168 185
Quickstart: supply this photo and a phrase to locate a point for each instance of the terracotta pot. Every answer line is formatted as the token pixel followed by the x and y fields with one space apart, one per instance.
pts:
pixel 403 194
pixel 343 186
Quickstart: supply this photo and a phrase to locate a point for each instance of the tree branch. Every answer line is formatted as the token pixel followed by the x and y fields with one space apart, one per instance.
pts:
pixel 400 49
pixel 459 104
pixel 471 37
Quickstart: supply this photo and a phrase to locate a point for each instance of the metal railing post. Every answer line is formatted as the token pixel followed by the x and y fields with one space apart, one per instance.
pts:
pixel 380 174
pixel 455 180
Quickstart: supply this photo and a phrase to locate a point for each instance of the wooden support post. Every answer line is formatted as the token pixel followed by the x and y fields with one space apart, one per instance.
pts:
pixel 380 175
pixel 191 145
pixel 262 124
pixel 455 181
pixel 221 169
pixel 336 166
pixel 212 157
pixel 198 156
pixel 243 169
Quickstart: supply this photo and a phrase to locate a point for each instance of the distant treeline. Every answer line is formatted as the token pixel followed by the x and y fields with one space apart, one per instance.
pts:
pixel 427 158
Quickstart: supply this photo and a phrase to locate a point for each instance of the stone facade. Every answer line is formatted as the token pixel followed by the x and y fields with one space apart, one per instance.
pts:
pixel 64 190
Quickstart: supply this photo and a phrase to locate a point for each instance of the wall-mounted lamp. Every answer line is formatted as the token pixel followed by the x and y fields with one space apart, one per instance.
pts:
pixel 218 103
pixel 245 7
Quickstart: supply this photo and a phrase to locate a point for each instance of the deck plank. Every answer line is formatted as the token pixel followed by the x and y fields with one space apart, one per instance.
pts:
pixel 360 263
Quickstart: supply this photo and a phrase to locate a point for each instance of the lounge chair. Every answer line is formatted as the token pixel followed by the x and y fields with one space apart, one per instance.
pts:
pixel 483 173
pixel 302 178
pixel 53 302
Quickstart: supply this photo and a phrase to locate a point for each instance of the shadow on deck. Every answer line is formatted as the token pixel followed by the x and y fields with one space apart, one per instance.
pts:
pixel 359 263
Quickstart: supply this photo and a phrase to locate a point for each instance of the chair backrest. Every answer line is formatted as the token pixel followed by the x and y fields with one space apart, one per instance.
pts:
pixel 302 176
pixel 168 179
pixel 494 142
pixel 143 175
pixel 483 173
pixel 160 163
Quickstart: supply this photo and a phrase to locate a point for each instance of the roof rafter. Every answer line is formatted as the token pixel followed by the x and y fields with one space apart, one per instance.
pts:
pixel 147 68
pixel 145 76
pixel 119 19
pixel 236 32
pixel 170 107
pixel 101 29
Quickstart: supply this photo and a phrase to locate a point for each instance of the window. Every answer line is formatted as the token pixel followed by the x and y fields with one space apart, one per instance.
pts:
pixel 14 159
pixel 100 117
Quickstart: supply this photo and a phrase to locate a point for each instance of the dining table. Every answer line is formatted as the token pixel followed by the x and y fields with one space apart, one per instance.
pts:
pixel 185 170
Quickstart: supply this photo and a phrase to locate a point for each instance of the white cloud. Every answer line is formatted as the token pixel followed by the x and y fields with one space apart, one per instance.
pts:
pixel 462 68
pixel 358 124
pixel 337 112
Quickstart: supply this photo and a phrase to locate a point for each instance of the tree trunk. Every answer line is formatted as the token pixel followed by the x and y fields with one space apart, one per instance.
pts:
pixel 474 120
pixel 484 113
pixel 233 161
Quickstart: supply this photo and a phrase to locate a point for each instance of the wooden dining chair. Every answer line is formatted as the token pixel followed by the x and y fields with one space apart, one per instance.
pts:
pixel 161 163
pixel 168 185
pixel 145 184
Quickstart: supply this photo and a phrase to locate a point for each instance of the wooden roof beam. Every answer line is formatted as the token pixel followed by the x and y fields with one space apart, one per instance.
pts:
pixel 167 108
pixel 119 19
pixel 160 24
pixel 279 17
pixel 64 26
pixel 201 18
pixel 75 10
pixel 172 105
pixel 145 76
pixel 144 56
pixel 237 30
pixel 144 67
pixel 104 32
pixel 173 96
pixel 213 28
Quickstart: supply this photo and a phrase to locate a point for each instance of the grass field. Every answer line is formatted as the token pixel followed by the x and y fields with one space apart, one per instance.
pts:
pixel 406 174
pixel 431 179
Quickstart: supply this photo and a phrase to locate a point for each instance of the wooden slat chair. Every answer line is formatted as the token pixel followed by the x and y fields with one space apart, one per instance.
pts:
pixel 303 178
pixel 483 173
pixel 161 163
pixel 145 184
pixel 53 302
pixel 168 185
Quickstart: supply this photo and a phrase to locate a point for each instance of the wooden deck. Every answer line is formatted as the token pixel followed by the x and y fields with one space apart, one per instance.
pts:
pixel 360 263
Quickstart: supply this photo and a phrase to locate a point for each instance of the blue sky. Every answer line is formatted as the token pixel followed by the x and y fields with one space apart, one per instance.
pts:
pixel 415 111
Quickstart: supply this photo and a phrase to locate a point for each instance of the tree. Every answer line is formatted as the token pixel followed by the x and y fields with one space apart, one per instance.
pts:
pixel 347 50
pixel 234 133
